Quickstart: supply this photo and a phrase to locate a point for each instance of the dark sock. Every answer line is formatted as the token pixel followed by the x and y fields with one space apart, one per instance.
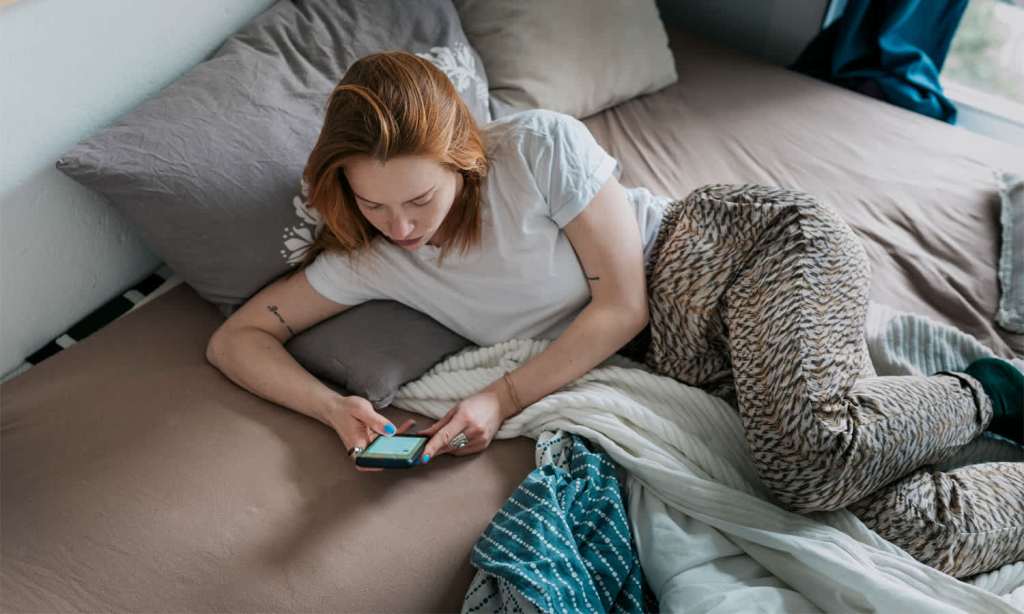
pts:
pixel 1004 385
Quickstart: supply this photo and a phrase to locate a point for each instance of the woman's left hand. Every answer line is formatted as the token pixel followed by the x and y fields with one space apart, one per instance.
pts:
pixel 479 417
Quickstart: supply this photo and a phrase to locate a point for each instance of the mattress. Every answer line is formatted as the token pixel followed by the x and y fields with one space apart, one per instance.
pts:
pixel 920 193
pixel 136 477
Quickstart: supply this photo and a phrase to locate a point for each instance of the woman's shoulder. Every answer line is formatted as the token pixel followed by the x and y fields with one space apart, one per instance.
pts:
pixel 523 131
pixel 540 121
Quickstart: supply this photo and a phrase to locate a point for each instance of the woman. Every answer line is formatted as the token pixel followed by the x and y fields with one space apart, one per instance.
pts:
pixel 756 294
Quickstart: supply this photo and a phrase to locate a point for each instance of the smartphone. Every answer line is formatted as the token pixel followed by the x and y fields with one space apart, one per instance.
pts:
pixel 396 452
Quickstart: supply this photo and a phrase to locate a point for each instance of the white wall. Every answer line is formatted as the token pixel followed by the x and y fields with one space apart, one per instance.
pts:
pixel 67 68
pixel 776 30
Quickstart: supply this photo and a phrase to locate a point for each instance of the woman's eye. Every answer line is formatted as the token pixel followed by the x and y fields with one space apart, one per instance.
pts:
pixel 372 207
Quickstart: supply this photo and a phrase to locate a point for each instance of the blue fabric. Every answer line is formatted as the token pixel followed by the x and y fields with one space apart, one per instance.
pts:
pixel 563 539
pixel 889 49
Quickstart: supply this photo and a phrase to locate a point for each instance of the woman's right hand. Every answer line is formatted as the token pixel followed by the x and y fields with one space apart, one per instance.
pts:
pixel 358 424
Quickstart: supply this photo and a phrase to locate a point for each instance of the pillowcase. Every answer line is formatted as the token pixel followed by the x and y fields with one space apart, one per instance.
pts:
pixel 208 169
pixel 371 349
pixel 574 56
pixel 1011 253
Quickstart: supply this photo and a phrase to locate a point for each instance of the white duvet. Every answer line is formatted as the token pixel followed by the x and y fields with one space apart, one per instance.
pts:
pixel 708 537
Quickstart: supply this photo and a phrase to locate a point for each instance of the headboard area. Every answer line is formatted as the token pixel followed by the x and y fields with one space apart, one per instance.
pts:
pixel 70 68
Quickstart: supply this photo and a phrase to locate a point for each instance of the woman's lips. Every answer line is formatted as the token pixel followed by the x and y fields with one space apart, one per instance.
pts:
pixel 407 243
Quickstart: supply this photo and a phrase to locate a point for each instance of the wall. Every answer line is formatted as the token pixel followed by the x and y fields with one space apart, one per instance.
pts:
pixel 776 30
pixel 67 68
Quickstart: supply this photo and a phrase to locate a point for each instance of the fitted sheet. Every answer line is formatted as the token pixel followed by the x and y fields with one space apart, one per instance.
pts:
pixel 921 194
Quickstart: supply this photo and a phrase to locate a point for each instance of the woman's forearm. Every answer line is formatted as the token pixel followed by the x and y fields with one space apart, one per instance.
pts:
pixel 596 333
pixel 256 361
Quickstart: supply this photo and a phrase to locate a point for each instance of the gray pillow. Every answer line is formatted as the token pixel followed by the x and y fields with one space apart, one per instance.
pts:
pixel 356 351
pixel 1011 253
pixel 574 56
pixel 209 170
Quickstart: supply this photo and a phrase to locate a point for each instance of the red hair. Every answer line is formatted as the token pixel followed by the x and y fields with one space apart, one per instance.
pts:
pixel 388 105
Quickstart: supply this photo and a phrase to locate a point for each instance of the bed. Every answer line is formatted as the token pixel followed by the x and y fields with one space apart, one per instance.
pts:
pixel 135 477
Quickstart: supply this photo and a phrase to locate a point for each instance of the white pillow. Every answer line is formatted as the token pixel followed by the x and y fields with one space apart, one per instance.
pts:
pixel 573 56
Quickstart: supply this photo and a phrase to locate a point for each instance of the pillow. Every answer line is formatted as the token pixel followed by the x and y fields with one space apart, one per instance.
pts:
pixel 355 351
pixel 573 56
pixel 1011 254
pixel 207 170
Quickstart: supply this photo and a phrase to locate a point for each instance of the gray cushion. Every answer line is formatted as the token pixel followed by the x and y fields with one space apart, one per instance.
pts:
pixel 209 169
pixel 374 348
pixel 1011 253
pixel 574 56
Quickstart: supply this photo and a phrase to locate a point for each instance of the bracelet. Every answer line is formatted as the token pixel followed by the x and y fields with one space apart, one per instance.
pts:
pixel 512 392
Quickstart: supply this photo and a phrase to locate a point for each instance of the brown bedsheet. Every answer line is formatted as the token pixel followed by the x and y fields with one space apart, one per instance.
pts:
pixel 919 192
pixel 135 477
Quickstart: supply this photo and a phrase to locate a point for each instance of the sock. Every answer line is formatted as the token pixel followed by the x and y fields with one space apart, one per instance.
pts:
pixel 1004 385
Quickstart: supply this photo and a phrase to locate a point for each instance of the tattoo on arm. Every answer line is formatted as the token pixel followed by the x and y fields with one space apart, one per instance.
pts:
pixel 273 310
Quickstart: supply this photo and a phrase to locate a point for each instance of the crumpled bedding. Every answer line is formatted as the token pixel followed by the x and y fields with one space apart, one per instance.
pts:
pixel 921 194
pixel 562 541
pixel 708 537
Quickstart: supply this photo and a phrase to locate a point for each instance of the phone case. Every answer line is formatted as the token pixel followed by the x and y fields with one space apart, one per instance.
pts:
pixel 393 463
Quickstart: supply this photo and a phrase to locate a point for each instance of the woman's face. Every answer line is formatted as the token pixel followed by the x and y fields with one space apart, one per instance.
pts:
pixel 406 198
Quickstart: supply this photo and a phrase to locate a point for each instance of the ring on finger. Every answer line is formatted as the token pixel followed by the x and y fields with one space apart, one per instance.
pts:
pixel 355 451
pixel 459 441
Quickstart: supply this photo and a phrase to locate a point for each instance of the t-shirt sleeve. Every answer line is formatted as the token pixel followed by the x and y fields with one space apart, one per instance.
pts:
pixel 332 275
pixel 567 163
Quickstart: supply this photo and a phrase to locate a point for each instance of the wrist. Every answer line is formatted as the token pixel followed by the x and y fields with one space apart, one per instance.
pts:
pixel 330 407
pixel 511 404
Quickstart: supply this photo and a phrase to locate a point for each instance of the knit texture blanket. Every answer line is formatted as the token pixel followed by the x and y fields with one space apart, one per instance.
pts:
pixel 707 534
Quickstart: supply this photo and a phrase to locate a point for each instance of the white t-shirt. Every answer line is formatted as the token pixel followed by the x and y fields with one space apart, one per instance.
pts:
pixel 524 279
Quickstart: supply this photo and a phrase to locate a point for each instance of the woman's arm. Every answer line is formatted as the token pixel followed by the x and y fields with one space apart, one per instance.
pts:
pixel 607 241
pixel 606 238
pixel 249 349
pixel 249 346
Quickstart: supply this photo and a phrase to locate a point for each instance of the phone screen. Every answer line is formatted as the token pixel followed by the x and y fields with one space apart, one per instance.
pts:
pixel 397 447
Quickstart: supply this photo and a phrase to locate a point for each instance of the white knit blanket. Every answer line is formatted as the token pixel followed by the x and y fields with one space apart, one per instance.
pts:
pixel 708 536
pixel 902 343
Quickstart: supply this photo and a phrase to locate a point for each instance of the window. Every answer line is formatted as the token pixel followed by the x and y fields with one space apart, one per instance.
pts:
pixel 985 66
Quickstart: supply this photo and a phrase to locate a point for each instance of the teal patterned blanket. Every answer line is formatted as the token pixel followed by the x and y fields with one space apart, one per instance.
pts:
pixel 562 541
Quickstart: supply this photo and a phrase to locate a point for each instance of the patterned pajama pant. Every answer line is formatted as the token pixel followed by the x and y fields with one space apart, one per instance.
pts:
pixel 759 295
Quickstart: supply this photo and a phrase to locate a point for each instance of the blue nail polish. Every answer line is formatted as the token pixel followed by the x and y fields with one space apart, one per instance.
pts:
pixel 390 429
pixel 426 459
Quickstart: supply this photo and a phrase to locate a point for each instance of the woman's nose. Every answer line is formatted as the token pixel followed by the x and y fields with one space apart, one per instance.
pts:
pixel 401 228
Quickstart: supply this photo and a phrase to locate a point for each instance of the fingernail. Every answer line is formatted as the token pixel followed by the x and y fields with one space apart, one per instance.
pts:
pixel 389 429
pixel 426 459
